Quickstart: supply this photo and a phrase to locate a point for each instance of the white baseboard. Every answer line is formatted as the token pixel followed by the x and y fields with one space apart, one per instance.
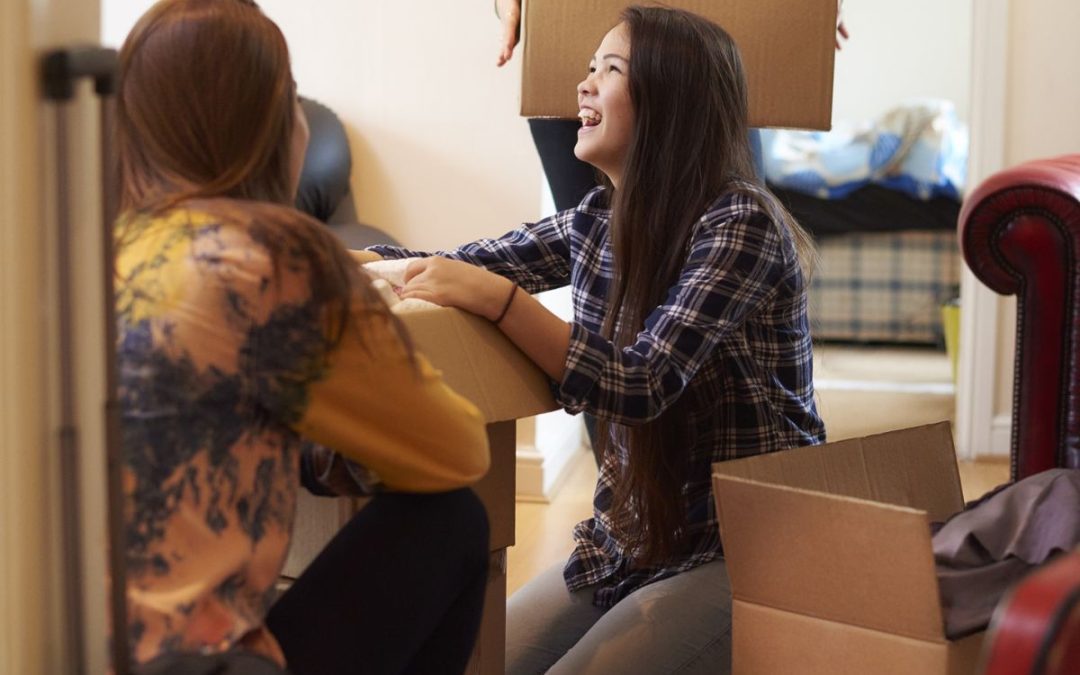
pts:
pixel 1000 439
pixel 530 474
pixel 541 471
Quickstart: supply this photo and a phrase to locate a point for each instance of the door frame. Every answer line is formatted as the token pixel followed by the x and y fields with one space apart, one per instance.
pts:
pixel 979 433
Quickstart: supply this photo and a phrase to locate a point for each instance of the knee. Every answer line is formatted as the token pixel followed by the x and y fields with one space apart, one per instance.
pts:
pixel 455 522
pixel 465 515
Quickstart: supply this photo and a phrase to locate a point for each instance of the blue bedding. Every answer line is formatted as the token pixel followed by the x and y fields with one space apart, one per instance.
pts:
pixel 918 148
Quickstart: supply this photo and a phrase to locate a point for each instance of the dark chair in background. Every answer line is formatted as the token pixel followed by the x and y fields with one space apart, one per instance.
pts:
pixel 325 191
pixel 1020 234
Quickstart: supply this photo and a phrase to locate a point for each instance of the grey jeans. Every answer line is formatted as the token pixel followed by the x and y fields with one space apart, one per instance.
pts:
pixel 678 625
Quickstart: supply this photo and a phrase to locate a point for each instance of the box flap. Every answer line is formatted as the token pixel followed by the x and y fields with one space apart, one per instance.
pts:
pixel 831 557
pixel 478 362
pixel 812 646
pixel 913 467
pixel 787 48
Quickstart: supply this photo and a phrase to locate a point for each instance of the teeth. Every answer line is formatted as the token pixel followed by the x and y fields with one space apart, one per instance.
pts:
pixel 589 116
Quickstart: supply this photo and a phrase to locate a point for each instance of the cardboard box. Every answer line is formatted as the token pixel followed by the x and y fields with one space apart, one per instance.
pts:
pixel 787 48
pixel 829 553
pixel 478 362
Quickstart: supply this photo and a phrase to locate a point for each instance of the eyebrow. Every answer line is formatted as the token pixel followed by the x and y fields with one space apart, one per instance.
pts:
pixel 612 56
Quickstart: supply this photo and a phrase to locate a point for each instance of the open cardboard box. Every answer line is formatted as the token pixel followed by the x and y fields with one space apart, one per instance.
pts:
pixel 787 47
pixel 829 554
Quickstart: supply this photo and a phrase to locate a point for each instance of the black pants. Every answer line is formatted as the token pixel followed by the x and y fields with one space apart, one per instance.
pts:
pixel 399 590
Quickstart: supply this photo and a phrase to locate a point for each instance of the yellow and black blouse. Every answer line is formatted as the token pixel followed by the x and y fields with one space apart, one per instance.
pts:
pixel 225 374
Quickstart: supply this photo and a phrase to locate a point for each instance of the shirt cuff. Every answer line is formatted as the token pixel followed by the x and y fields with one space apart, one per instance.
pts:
pixel 389 252
pixel 585 360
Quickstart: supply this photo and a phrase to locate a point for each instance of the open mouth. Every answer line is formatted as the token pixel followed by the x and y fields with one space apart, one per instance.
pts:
pixel 589 118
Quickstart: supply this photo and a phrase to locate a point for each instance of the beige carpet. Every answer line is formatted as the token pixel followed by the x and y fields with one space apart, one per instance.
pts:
pixel 867 390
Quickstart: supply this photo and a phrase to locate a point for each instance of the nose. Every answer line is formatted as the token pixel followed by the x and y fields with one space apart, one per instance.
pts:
pixel 586 87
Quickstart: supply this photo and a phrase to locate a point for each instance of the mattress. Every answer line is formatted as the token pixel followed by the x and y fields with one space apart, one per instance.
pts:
pixel 884 286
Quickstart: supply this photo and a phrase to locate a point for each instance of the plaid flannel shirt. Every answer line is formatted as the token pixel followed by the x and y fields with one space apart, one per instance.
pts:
pixel 732 335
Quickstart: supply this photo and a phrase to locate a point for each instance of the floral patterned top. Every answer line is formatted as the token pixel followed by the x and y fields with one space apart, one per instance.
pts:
pixel 226 373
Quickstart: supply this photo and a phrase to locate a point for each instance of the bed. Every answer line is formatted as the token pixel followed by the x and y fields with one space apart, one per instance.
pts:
pixel 881 200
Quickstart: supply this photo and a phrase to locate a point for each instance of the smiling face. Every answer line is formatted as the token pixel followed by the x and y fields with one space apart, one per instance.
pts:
pixel 605 108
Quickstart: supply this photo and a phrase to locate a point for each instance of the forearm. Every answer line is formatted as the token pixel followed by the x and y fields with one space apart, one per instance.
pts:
pixel 543 336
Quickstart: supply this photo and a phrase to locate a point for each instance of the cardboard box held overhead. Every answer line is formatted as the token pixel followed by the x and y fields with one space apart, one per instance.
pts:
pixel 829 554
pixel 787 48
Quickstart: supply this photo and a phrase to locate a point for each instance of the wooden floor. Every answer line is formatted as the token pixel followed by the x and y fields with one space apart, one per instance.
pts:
pixel 902 388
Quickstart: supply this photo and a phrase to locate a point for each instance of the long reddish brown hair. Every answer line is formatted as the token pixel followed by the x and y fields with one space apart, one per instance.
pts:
pixel 205 106
pixel 205 115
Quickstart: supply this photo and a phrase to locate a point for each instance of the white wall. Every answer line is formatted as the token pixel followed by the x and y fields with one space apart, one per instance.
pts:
pixel 1042 119
pixel 440 155
pixel 898 50
pixel 1043 113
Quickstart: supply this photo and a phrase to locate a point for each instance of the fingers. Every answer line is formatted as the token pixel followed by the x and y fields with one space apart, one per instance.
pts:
pixel 509 41
pixel 419 294
pixel 416 268
pixel 511 19
pixel 504 56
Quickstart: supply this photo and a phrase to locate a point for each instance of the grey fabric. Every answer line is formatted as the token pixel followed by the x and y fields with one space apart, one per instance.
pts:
pixel 988 547
pixel 680 625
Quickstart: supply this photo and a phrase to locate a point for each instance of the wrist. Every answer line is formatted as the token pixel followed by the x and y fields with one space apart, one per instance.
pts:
pixel 505 298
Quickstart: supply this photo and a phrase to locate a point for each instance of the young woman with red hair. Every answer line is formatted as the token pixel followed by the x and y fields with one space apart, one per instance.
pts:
pixel 254 356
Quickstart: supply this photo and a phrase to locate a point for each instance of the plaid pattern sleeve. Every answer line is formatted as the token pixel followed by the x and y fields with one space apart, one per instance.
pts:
pixel 535 255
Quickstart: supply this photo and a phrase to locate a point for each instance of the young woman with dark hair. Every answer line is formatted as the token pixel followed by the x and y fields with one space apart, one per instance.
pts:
pixel 250 345
pixel 690 343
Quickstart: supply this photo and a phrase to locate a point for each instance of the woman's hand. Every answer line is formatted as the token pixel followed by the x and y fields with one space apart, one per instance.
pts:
pixel 509 12
pixel 452 283
pixel 363 256
pixel 841 29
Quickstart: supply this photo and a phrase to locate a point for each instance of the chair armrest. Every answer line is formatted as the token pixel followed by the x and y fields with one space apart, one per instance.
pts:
pixel 1020 234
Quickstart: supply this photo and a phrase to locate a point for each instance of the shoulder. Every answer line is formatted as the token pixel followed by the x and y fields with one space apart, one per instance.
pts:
pixel 741 202
pixel 744 207
pixel 745 220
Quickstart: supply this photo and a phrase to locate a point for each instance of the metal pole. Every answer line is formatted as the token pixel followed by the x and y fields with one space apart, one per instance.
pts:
pixel 70 492
pixel 61 69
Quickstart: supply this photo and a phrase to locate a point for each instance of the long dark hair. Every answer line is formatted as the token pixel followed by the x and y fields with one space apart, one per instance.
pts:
pixel 689 146
pixel 205 112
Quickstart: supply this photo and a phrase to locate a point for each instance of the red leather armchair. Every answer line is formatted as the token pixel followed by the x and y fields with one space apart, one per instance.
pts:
pixel 1020 234
pixel 1036 628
